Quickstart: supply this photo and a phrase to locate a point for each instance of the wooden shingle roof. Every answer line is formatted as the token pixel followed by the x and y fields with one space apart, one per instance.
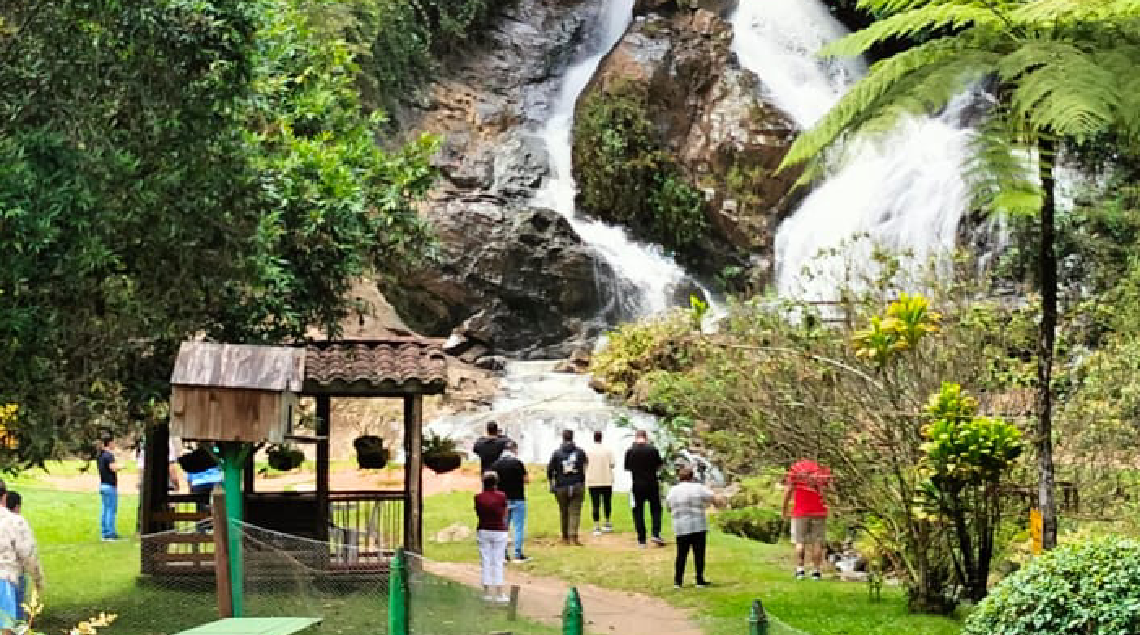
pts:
pixel 206 364
pixel 398 365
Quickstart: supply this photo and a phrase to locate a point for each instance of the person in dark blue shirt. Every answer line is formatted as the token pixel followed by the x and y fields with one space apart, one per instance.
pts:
pixel 108 489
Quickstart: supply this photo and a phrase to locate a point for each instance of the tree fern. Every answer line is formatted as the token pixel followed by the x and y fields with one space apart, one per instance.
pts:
pixel 910 24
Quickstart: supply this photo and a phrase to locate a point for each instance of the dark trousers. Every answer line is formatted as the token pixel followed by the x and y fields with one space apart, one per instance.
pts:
pixel 641 496
pixel 697 542
pixel 601 496
pixel 570 509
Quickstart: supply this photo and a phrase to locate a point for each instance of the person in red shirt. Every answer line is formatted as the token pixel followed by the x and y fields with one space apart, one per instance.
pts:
pixel 806 487
pixel 491 536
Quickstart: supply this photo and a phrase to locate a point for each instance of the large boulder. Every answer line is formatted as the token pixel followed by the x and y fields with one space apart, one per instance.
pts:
pixel 707 113
pixel 508 277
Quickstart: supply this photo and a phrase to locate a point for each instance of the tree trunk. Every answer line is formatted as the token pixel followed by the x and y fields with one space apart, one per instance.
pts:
pixel 1047 274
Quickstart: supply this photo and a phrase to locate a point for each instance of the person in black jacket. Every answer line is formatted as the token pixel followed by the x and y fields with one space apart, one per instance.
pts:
pixel 490 447
pixel 643 461
pixel 567 475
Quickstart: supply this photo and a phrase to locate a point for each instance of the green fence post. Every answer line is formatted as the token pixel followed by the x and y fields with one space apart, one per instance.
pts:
pixel 233 459
pixel 757 619
pixel 572 623
pixel 398 595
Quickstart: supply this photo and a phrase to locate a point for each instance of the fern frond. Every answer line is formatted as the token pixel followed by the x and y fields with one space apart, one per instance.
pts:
pixel 910 24
pixel 1059 87
pixel 890 7
pixel 856 104
pixel 1121 61
pixel 1000 169
pixel 1046 12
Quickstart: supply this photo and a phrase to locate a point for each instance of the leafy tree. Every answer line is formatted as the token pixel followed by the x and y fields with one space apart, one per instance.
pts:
pixel 1062 71
pixel 173 168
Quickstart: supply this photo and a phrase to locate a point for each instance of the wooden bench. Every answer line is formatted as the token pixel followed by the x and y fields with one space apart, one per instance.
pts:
pixel 254 626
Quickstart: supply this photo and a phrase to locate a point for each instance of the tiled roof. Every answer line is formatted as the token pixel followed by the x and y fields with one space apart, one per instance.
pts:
pixel 362 367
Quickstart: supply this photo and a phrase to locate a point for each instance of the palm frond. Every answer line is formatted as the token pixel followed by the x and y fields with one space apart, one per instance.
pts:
pixel 910 24
pixel 856 105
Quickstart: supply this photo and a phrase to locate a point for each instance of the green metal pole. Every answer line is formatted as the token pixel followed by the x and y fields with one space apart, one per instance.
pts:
pixel 757 619
pixel 572 622
pixel 398 595
pixel 233 459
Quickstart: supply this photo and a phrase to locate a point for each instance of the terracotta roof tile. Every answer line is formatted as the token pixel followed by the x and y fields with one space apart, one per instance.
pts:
pixel 408 364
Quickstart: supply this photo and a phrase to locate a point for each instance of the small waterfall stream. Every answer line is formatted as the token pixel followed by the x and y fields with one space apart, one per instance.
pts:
pixel 905 192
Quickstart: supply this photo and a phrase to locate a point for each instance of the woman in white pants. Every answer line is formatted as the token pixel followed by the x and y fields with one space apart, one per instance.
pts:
pixel 491 535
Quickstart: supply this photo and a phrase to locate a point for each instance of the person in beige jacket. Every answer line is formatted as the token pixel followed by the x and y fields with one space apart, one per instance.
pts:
pixel 600 482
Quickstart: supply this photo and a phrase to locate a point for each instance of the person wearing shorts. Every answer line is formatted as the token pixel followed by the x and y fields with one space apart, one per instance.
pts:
pixel 805 488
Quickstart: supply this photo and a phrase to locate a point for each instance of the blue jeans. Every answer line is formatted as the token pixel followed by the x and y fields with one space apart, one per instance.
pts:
pixel 516 519
pixel 110 497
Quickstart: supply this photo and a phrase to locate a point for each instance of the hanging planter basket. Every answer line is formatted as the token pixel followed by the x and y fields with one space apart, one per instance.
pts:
pixel 370 452
pixel 285 457
pixel 443 462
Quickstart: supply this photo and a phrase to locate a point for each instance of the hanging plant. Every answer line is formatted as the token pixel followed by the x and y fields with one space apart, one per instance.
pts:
pixel 285 456
pixel 440 455
pixel 370 452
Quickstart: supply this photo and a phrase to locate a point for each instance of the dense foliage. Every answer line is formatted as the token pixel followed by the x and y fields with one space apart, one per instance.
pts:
pixel 1074 590
pixel 626 174
pixel 175 168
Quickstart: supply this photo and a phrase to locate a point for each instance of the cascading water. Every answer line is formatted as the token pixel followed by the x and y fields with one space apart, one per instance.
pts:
pixel 904 192
pixel 535 404
pixel 653 275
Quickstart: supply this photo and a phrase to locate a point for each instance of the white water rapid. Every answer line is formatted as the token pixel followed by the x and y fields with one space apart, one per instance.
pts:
pixel 653 275
pixel 904 192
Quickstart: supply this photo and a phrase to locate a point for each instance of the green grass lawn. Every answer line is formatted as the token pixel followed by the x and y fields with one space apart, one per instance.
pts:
pixel 85 576
pixel 741 570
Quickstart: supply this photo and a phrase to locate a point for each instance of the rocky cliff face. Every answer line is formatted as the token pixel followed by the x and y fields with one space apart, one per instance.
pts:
pixel 707 114
pixel 515 277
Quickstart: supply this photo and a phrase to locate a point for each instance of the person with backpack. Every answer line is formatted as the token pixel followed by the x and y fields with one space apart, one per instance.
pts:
pixel 567 475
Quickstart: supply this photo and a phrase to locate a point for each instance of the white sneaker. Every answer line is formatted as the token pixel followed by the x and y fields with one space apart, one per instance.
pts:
pixel 487 597
pixel 503 599
pixel 597 532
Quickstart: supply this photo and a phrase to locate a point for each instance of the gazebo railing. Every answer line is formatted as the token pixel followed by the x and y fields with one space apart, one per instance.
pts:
pixel 365 527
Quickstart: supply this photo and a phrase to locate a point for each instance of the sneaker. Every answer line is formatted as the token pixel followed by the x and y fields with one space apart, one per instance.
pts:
pixel 607 528
pixel 641 545
pixel 800 574
pixel 503 599
pixel 658 541
pixel 521 559
pixel 704 584
pixel 576 542
pixel 676 586
pixel 487 597
pixel 597 532
pixel 816 575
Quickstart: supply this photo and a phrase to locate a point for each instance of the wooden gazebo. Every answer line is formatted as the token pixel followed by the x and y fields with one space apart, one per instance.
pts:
pixel 363 528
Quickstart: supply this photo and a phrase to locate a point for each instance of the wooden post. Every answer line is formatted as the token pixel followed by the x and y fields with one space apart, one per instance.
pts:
pixel 324 424
pixel 513 606
pixel 413 473
pixel 222 554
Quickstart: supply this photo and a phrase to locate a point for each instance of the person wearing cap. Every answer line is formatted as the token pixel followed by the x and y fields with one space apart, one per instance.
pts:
pixel 491 536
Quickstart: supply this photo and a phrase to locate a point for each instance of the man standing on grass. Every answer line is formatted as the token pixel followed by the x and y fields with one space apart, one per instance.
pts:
pixel 490 447
pixel 643 462
pixel 806 486
pixel 17 559
pixel 600 482
pixel 567 475
pixel 687 502
pixel 108 489
pixel 513 480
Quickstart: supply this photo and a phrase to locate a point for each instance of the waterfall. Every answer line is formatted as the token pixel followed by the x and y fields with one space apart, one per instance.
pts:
pixel 904 192
pixel 654 277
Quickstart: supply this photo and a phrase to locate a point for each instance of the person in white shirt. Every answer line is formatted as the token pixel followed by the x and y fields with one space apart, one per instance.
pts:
pixel 17 558
pixel 687 502
pixel 600 482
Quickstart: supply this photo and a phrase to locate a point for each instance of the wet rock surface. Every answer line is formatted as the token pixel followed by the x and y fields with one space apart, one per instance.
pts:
pixel 710 114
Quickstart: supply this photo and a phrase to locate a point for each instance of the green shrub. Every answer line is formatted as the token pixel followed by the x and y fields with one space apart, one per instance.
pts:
pixel 1090 588
pixel 756 523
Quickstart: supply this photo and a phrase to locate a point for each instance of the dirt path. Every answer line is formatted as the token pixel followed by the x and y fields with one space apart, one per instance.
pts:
pixel 607 612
